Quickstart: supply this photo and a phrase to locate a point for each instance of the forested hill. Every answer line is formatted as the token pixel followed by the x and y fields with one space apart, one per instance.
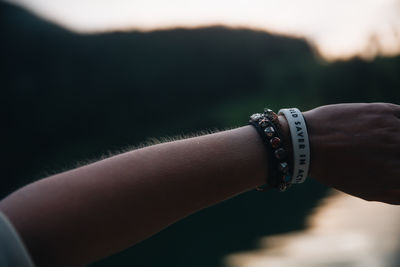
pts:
pixel 210 61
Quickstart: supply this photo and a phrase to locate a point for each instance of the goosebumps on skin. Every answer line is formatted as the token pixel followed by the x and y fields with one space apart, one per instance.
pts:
pixel 106 206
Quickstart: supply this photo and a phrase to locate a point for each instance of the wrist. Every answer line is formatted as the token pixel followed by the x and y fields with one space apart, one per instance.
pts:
pixel 313 143
pixel 287 142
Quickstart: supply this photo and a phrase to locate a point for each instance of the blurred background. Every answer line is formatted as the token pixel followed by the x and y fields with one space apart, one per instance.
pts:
pixel 81 79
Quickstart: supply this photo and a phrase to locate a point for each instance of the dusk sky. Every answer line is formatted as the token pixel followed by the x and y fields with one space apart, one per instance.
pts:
pixel 338 28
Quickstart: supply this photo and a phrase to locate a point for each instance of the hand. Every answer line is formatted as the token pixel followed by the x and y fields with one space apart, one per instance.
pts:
pixel 356 148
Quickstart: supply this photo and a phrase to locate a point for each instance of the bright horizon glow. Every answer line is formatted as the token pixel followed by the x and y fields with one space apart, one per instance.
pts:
pixel 338 28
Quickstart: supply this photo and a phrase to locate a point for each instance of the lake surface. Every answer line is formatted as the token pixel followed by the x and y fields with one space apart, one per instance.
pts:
pixel 342 231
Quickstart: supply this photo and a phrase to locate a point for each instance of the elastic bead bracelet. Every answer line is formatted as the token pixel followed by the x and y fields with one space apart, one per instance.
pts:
pixel 267 125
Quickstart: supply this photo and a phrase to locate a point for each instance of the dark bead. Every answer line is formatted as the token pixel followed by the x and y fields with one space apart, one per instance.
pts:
pixel 283 187
pixel 256 116
pixel 275 142
pixel 274 117
pixel 280 153
pixel 263 122
pixel 268 111
pixel 283 167
pixel 269 131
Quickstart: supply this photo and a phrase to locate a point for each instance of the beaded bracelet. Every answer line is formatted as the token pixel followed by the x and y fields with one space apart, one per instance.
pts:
pixel 267 125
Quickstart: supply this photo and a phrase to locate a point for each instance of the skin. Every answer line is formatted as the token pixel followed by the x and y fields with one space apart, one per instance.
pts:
pixel 104 207
pixel 356 148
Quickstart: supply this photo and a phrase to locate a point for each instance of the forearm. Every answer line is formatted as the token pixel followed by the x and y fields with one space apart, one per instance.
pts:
pixel 93 211
pixel 88 213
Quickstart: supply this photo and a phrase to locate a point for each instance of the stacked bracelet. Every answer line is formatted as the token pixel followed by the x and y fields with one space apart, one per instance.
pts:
pixel 267 125
pixel 281 175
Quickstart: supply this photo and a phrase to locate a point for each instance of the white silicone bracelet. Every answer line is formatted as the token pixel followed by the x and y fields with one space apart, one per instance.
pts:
pixel 301 144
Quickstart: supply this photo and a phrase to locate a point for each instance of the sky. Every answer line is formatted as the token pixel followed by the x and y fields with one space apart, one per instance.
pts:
pixel 337 28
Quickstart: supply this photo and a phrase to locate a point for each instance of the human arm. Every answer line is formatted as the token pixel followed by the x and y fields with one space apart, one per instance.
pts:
pixel 82 215
pixel 88 213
